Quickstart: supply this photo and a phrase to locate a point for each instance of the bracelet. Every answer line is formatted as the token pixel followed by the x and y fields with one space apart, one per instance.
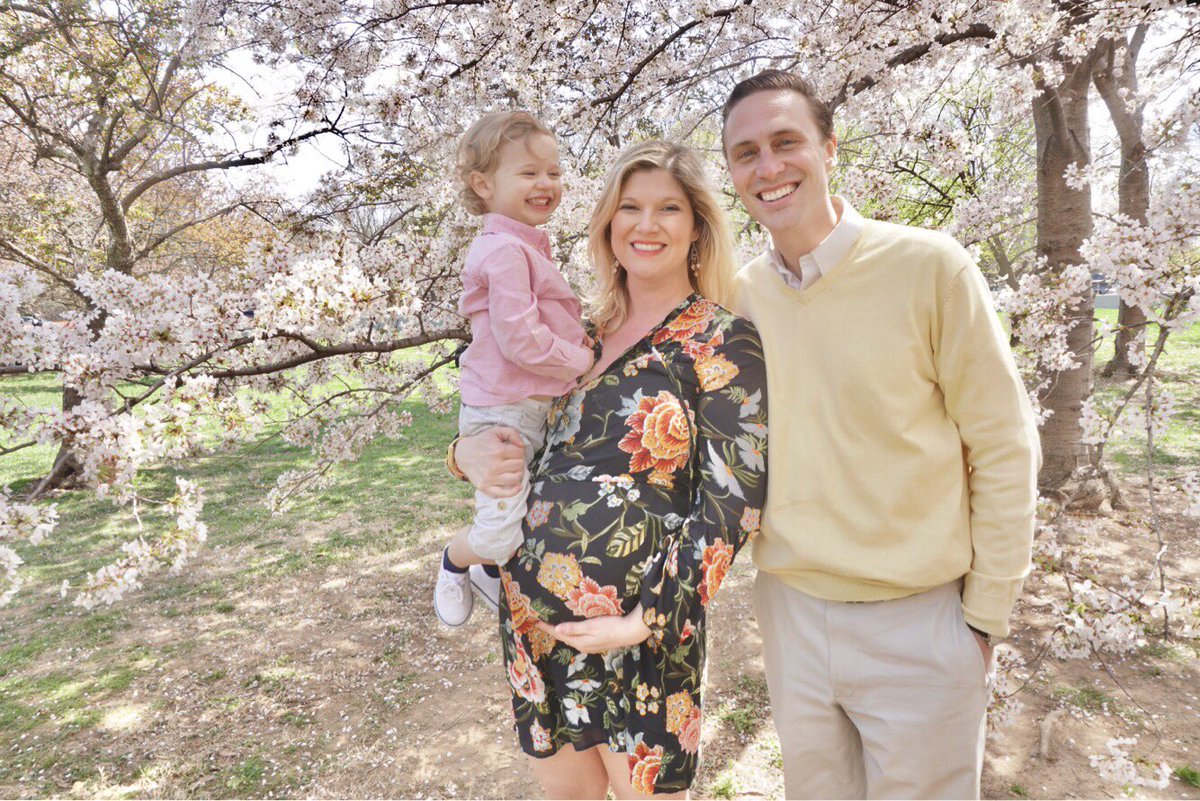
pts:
pixel 451 464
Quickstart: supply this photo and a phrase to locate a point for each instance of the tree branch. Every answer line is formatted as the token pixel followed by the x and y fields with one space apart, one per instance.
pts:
pixel 908 56
pixel 611 98
pixel 223 164
pixel 170 233
pixel 316 352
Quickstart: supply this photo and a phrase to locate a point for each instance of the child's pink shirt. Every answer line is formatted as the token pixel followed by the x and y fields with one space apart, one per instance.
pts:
pixel 526 336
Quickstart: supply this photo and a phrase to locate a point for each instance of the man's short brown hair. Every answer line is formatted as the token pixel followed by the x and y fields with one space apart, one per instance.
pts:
pixel 776 80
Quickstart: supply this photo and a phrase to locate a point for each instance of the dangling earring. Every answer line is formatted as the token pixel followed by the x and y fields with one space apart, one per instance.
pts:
pixel 694 260
pixel 618 270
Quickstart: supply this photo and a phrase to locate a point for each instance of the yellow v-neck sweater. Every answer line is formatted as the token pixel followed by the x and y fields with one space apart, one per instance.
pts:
pixel 903 449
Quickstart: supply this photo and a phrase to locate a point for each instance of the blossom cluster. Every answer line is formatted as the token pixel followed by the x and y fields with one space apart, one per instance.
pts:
pixel 171 549
pixel 1116 766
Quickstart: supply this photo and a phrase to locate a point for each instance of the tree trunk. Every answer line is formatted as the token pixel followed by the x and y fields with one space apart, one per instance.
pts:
pixel 1117 70
pixel 1130 321
pixel 1064 220
pixel 66 473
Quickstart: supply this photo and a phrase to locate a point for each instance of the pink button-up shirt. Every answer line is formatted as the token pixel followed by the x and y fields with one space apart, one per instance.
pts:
pixel 526 338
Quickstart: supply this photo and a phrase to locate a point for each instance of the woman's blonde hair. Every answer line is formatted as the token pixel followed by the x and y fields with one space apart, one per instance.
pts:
pixel 479 149
pixel 713 278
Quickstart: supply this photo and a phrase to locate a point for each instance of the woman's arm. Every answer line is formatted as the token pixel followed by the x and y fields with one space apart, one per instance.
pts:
pixel 730 454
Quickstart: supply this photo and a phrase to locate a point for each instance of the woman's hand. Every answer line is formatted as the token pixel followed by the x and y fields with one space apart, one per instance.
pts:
pixel 599 634
pixel 494 461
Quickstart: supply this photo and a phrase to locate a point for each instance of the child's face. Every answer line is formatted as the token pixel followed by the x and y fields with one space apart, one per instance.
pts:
pixel 526 184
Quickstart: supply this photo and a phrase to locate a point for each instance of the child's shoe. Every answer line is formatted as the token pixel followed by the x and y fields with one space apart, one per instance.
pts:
pixel 487 587
pixel 452 597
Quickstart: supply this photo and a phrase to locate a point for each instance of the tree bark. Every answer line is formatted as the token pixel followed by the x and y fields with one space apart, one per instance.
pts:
pixel 119 257
pixel 1117 70
pixel 1064 220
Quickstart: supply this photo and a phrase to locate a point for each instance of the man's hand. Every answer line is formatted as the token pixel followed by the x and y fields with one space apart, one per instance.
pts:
pixel 988 650
pixel 494 461
pixel 599 634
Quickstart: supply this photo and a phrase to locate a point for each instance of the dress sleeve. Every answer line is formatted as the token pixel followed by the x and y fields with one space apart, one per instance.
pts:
pixel 731 484
pixel 516 323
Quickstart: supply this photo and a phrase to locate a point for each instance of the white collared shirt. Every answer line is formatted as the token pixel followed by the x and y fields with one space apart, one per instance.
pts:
pixel 825 256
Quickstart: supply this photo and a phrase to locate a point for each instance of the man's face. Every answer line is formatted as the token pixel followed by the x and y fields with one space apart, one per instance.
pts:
pixel 778 159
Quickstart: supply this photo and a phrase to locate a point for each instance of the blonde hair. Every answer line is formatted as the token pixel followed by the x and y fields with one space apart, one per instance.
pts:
pixel 713 278
pixel 479 149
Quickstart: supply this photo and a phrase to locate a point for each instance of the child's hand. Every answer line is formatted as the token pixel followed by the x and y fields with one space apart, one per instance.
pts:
pixel 590 344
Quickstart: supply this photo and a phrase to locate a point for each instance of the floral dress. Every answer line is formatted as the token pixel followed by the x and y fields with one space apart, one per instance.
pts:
pixel 652 479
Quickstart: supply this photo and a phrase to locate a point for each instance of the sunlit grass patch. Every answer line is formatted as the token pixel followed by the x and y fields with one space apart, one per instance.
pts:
pixel 1178 449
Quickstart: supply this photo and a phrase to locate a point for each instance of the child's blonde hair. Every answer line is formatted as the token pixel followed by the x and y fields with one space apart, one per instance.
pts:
pixel 713 277
pixel 479 149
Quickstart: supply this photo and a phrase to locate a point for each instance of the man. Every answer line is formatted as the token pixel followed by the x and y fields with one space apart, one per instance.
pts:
pixel 902 476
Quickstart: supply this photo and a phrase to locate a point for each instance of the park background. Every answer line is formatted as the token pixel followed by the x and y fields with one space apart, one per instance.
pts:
pixel 228 266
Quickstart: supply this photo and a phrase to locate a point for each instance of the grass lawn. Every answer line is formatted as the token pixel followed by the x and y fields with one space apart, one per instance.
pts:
pixel 61 669
pixel 1179 372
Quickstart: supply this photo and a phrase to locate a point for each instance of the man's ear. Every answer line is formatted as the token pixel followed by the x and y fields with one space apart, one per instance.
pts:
pixel 481 185
pixel 831 153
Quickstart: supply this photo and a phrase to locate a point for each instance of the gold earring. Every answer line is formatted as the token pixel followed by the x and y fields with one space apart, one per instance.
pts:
pixel 694 260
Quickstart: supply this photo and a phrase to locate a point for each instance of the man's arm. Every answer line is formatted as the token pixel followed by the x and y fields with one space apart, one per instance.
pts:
pixel 493 461
pixel 986 398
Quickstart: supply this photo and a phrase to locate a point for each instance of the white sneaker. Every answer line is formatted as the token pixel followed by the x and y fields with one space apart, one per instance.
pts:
pixel 452 599
pixel 487 587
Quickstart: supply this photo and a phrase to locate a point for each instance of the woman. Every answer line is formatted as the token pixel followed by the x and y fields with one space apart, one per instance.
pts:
pixel 652 479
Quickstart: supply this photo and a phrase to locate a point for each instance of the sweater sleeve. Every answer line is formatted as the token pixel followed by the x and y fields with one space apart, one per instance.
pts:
pixel 730 451
pixel 521 335
pixel 986 398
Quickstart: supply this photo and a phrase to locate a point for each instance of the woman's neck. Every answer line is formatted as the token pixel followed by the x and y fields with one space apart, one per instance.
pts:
pixel 650 303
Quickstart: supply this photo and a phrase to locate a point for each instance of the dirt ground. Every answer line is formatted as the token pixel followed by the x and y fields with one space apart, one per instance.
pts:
pixel 336 682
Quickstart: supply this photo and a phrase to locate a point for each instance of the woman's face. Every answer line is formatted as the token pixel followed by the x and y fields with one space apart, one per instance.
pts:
pixel 653 227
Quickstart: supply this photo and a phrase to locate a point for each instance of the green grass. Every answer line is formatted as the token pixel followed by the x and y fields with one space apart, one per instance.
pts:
pixel 1188 775
pixel 1179 372
pixel 245 779
pixel 1018 791
pixel 741 719
pixel 1092 700
pixel 724 787
pixel 63 669
pixel 1087 699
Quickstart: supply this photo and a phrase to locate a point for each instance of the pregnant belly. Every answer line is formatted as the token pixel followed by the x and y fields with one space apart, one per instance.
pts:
pixel 558 588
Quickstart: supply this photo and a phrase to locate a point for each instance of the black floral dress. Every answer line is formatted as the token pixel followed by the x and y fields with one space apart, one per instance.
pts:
pixel 652 479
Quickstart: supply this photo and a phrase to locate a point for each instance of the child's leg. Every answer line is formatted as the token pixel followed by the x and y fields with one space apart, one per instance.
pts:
pixel 461 567
pixel 460 553
pixel 496 531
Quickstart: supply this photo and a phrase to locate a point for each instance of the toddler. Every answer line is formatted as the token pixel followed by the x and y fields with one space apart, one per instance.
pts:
pixel 527 342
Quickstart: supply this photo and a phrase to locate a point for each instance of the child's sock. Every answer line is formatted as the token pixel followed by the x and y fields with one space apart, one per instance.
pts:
pixel 448 565
pixel 493 571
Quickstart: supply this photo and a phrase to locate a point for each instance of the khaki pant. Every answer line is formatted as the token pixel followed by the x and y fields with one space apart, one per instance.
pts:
pixel 874 700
